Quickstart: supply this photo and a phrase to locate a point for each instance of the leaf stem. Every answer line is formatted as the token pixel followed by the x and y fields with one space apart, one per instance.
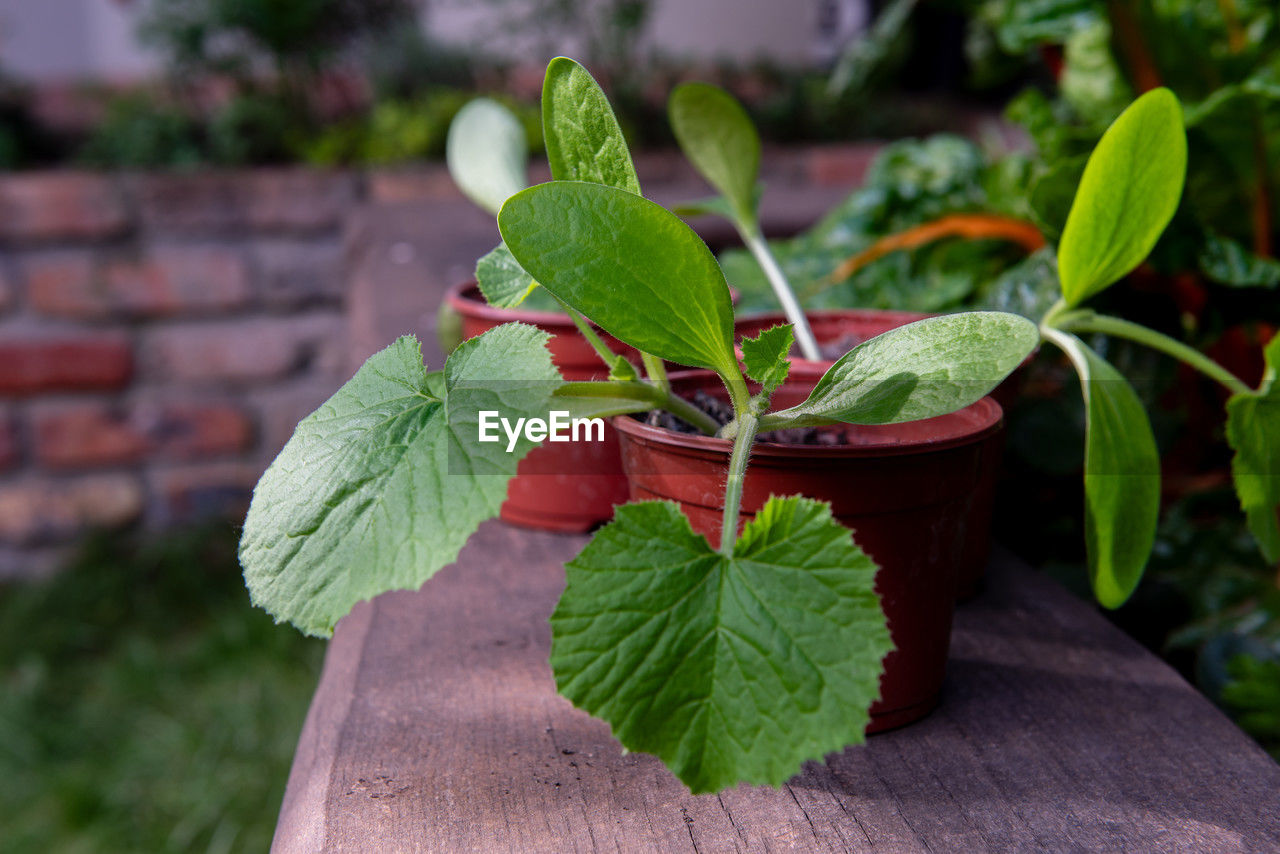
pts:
pixel 644 392
pixel 747 425
pixel 584 327
pixel 759 247
pixel 1091 322
pixel 656 371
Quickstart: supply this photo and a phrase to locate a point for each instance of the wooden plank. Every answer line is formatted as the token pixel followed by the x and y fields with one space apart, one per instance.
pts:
pixel 436 727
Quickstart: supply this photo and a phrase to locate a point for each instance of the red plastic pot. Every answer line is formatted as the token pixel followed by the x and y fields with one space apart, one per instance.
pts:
pixel 906 490
pixel 853 326
pixel 570 486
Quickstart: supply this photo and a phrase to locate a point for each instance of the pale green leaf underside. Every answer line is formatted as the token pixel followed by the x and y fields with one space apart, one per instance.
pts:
pixel 583 139
pixel 921 370
pixel 629 265
pixel 1127 195
pixel 503 282
pixel 728 669
pixel 1121 476
pixel 767 356
pixel 717 136
pixel 487 153
pixel 383 484
pixel 1253 429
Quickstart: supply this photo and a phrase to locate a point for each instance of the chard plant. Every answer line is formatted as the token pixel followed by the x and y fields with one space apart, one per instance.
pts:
pixel 732 661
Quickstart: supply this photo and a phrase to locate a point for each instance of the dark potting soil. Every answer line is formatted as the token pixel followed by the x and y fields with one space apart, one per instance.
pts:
pixel 722 413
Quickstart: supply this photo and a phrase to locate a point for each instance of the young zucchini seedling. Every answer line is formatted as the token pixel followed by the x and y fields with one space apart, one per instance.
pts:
pixel 731 662
pixel 1130 189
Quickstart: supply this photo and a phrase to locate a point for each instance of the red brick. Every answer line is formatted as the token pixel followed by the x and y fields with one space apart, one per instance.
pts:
pixel 96 434
pixel 193 492
pixel 171 280
pixel 59 205
pixel 258 200
pixel 842 165
pixel 64 363
pixel 411 185
pixel 243 351
pixel 47 510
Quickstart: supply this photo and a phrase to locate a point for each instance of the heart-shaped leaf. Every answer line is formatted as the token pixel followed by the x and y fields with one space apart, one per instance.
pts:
pixel 583 139
pixel 503 282
pixel 382 485
pixel 1127 195
pixel 1121 475
pixel 487 153
pixel 717 136
pixel 921 370
pixel 729 669
pixel 1253 429
pixel 629 265
pixel 767 356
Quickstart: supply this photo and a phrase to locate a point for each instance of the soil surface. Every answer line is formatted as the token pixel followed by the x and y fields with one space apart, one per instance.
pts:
pixel 722 412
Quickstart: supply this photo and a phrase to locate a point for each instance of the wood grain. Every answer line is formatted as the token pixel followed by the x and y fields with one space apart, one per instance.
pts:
pixel 436 727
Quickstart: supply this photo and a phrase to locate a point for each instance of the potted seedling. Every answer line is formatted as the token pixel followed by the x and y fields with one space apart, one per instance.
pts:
pixel 733 658
pixel 719 139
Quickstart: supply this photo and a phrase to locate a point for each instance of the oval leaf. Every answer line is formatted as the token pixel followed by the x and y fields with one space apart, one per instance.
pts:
pixel 383 484
pixel 583 139
pixel 487 153
pixel 729 669
pixel 1253 429
pixel 717 136
pixel 1127 195
pixel 1121 476
pixel 921 370
pixel 629 265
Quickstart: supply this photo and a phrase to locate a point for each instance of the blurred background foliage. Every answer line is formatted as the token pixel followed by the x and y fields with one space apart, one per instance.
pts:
pixel 144 705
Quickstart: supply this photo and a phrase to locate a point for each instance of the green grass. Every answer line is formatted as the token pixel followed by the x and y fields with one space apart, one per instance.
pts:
pixel 144 705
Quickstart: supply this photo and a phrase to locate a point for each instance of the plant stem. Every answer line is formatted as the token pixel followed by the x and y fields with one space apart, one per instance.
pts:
pixel 597 343
pixel 1090 322
pixel 747 425
pixel 644 392
pixel 754 240
pixel 656 371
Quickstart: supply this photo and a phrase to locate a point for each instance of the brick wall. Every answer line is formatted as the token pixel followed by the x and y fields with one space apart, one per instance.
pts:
pixel 159 337
pixel 161 334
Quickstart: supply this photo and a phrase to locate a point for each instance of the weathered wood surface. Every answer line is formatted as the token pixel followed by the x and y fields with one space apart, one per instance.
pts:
pixel 436 727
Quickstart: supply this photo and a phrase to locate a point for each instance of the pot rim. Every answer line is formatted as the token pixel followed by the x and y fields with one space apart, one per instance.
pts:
pixel 711 447
pixel 800 365
pixel 465 298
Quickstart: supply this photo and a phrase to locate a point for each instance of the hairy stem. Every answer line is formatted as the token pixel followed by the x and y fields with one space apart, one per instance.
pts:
pixel 755 242
pixel 597 343
pixel 747 424
pixel 1087 321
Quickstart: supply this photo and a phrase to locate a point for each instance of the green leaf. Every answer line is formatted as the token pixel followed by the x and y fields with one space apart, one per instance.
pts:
pixel 382 485
pixel 1128 194
pixel 583 139
pixel 767 356
pixel 717 136
pixel 1228 262
pixel 487 153
pixel 503 282
pixel 1121 476
pixel 921 370
pixel 629 265
pixel 729 669
pixel 1253 430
